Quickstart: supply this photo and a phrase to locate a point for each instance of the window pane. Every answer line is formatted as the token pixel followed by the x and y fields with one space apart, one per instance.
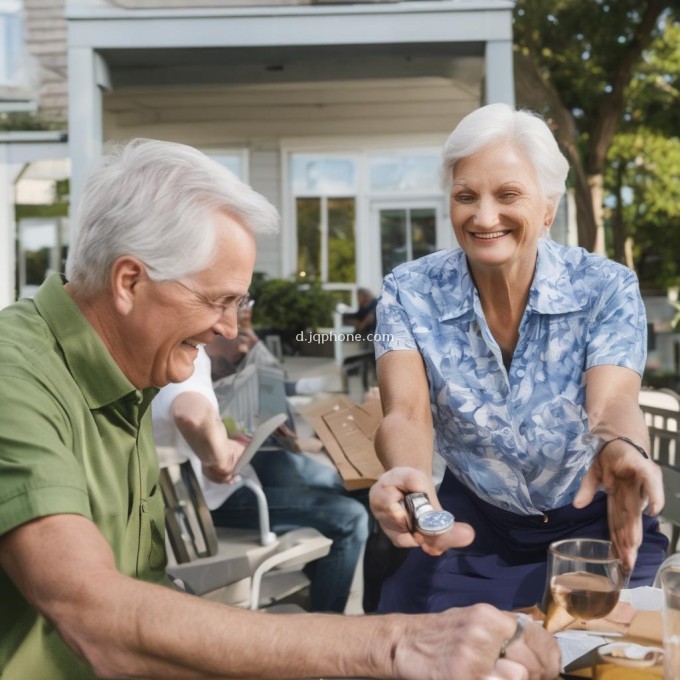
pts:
pixel 323 176
pixel 341 241
pixel 309 236
pixel 392 239
pixel 423 231
pixel 416 173
pixel 232 162
pixel 38 253
pixel 11 41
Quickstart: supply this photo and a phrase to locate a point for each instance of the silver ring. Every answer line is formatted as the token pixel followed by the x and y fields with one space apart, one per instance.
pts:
pixel 519 631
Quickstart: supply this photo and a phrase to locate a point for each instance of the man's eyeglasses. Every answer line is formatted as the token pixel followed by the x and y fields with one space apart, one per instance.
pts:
pixel 221 305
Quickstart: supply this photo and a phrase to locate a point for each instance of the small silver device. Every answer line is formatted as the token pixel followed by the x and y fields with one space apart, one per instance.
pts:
pixel 424 518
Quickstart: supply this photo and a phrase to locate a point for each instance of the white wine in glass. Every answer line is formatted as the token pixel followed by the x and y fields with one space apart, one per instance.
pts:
pixel 584 580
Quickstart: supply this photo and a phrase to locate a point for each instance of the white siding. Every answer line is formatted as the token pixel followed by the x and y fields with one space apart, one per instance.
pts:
pixel 265 177
pixel 46 43
pixel 263 118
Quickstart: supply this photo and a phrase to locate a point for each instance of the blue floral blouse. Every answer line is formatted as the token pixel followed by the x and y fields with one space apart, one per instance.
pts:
pixel 519 438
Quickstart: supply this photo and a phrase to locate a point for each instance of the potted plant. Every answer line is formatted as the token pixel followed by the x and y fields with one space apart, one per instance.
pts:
pixel 289 308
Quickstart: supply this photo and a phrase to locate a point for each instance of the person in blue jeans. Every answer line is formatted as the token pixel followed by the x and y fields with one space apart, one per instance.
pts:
pixel 300 491
pixel 303 492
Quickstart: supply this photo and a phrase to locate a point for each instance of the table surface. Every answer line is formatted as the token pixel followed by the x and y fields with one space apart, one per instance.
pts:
pixel 610 671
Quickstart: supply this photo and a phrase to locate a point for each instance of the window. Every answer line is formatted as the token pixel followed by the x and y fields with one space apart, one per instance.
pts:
pixel 323 175
pixel 325 215
pixel 406 233
pixel 11 43
pixel 356 211
pixel 405 172
pixel 235 160
pixel 40 252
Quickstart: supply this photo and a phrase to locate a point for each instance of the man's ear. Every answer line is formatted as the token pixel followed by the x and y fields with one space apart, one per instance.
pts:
pixel 126 274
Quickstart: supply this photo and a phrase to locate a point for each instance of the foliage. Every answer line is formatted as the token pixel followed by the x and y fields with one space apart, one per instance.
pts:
pixel 27 210
pixel 340 248
pixel 643 179
pixel 290 305
pixel 644 163
pixel 652 96
pixel 22 121
pixel 575 62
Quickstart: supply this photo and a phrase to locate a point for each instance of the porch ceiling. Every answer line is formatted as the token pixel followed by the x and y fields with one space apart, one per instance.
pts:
pixel 162 67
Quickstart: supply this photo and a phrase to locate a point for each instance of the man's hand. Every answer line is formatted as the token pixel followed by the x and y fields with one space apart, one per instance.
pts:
pixel 387 504
pixel 466 643
pixel 633 483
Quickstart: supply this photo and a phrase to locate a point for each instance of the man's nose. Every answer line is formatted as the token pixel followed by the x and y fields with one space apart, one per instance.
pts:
pixel 227 325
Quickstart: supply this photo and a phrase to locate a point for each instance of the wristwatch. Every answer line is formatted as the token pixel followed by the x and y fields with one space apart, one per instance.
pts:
pixel 424 518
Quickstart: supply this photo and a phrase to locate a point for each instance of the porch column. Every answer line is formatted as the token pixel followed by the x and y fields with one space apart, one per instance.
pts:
pixel 499 83
pixel 88 78
pixel 8 174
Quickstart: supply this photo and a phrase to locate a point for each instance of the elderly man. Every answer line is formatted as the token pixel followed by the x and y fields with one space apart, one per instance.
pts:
pixel 162 255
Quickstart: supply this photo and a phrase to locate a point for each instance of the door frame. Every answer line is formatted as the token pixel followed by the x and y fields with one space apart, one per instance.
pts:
pixel 443 235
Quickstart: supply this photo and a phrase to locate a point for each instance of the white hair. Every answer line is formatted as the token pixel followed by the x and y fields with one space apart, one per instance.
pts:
pixel 527 131
pixel 156 201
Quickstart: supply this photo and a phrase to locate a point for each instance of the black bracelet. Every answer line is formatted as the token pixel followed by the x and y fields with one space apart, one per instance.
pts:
pixel 628 441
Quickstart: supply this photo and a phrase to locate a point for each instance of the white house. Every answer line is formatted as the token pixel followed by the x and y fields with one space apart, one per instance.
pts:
pixel 336 112
pixel 32 79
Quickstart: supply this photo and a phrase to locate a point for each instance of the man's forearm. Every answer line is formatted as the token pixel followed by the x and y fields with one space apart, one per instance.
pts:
pixel 157 633
pixel 128 628
pixel 207 441
pixel 200 425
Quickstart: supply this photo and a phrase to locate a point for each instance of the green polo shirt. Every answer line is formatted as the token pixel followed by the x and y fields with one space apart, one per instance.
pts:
pixel 75 437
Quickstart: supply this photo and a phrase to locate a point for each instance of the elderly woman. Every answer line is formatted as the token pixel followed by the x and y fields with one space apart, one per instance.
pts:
pixel 518 360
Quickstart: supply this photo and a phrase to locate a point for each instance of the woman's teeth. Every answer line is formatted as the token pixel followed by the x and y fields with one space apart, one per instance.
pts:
pixel 495 234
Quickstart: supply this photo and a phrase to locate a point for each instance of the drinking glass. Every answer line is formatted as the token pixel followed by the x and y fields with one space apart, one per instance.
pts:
pixel 584 580
pixel 670 583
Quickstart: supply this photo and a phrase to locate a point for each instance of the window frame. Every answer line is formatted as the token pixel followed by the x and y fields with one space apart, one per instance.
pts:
pixel 12 47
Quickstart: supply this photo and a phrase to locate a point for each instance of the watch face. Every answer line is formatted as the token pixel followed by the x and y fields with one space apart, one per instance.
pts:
pixel 435 522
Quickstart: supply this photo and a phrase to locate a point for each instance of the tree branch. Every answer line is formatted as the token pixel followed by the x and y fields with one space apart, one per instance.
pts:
pixel 535 91
pixel 612 106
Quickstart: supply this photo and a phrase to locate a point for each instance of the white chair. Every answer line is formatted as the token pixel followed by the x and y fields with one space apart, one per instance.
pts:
pixel 244 568
pixel 661 409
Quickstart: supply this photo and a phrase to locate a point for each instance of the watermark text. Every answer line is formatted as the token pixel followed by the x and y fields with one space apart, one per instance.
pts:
pixel 330 336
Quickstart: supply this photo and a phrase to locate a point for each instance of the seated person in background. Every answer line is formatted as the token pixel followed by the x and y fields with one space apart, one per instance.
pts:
pixel 522 359
pixel 363 319
pixel 230 355
pixel 161 253
pixel 300 492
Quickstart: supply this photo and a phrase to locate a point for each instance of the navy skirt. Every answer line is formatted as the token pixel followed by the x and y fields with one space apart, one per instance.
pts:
pixel 506 564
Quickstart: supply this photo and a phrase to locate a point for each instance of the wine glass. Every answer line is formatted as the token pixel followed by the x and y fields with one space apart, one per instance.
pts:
pixel 584 580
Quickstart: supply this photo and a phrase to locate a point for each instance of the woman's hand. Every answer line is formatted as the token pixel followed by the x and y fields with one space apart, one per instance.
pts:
pixel 633 483
pixel 387 504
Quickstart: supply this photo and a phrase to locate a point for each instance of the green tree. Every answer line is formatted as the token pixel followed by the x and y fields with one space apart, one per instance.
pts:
pixel 574 62
pixel 645 208
pixel 644 163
